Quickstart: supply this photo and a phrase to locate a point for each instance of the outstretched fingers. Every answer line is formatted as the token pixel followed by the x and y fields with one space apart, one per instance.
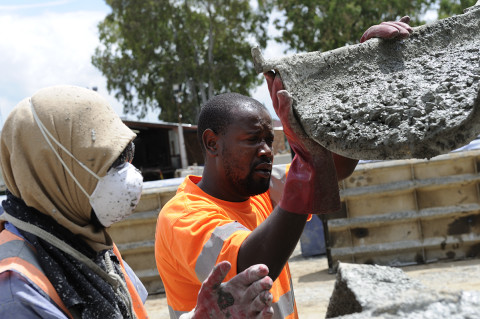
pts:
pixel 259 298
pixel 275 84
pixel 217 275
pixel 284 106
pixel 269 76
pixel 256 289
pixel 266 313
pixel 262 306
pixel 249 275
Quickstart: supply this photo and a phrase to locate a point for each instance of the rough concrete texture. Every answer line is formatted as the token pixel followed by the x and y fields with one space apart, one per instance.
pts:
pixel 414 98
pixel 366 291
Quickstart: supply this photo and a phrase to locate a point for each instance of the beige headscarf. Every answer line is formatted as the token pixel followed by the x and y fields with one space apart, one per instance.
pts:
pixel 83 122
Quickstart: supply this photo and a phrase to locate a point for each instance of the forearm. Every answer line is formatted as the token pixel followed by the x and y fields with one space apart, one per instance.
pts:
pixel 272 242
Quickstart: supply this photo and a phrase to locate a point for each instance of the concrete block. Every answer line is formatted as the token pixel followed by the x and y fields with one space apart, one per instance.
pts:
pixel 414 98
pixel 370 291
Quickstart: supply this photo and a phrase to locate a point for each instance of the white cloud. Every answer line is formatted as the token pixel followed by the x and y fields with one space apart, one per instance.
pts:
pixel 48 49
pixel 273 50
pixel 431 15
pixel 51 48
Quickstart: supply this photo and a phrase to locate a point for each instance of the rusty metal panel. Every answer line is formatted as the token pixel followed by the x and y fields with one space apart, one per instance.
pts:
pixel 388 233
pixel 446 167
pixel 340 238
pixel 448 195
pixel 408 212
pixel 364 176
pixel 366 204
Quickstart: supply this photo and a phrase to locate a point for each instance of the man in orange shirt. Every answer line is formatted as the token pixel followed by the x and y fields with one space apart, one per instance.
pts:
pixel 227 214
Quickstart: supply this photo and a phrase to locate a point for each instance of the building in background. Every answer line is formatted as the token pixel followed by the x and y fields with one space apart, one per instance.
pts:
pixel 158 148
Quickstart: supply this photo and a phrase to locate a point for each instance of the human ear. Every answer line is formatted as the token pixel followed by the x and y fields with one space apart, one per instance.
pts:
pixel 210 141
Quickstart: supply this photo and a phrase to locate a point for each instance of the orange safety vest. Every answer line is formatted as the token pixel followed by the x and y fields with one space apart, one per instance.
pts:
pixel 25 262
pixel 138 306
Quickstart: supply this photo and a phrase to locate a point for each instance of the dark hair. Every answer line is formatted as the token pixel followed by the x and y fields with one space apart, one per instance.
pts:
pixel 125 156
pixel 219 112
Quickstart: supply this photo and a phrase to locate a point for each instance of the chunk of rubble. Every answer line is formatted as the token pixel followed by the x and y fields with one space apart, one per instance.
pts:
pixel 390 99
pixel 371 291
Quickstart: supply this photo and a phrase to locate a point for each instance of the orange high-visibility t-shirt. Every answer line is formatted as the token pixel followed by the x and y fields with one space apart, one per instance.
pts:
pixel 195 231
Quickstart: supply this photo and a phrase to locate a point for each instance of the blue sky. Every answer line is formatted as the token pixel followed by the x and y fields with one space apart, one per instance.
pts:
pixel 44 43
pixel 35 7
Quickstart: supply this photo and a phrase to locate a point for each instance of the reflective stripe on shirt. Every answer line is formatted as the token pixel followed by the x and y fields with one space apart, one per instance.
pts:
pixel 18 248
pixel 23 256
pixel 16 255
pixel 174 314
pixel 212 248
pixel 285 304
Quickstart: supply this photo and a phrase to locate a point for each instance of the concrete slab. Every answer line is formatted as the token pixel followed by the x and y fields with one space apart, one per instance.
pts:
pixel 371 291
pixel 415 98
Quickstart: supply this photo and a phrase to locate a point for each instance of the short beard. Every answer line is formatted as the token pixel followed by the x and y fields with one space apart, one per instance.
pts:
pixel 246 186
pixel 256 188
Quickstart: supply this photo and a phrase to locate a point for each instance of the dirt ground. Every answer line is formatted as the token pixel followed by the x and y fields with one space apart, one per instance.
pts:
pixel 313 284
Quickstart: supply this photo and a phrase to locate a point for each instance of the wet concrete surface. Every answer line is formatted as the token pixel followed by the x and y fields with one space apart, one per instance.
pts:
pixel 414 98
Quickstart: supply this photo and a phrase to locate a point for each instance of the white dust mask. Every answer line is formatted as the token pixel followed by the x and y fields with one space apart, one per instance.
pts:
pixel 116 194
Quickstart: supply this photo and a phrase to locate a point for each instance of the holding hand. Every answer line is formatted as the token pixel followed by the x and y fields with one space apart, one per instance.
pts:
pixel 312 185
pixel 389 30
pixel 244 296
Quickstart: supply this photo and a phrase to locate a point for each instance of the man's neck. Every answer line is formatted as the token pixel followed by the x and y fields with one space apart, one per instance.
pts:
pixel 213 188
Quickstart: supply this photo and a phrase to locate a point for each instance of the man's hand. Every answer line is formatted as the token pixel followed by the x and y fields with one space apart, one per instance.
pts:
pixel 312 185
pixel 244 296
pixel 389 30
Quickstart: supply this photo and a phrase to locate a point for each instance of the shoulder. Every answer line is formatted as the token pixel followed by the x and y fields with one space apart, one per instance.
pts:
pixel 190 204
pixel 20 297
pixel 190 212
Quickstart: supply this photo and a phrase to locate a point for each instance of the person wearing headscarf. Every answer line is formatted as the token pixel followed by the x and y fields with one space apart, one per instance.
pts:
pixel 66 160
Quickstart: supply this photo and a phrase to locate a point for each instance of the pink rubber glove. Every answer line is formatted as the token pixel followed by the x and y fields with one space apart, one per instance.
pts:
pixel 244 296
pixel 311 186
pixel 389 30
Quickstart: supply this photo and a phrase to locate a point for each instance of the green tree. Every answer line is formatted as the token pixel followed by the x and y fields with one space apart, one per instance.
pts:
pixel 449 8
pixel 322 25
pixel 176 54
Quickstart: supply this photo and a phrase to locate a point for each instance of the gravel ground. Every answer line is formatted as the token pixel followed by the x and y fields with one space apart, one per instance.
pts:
pixel 313 284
